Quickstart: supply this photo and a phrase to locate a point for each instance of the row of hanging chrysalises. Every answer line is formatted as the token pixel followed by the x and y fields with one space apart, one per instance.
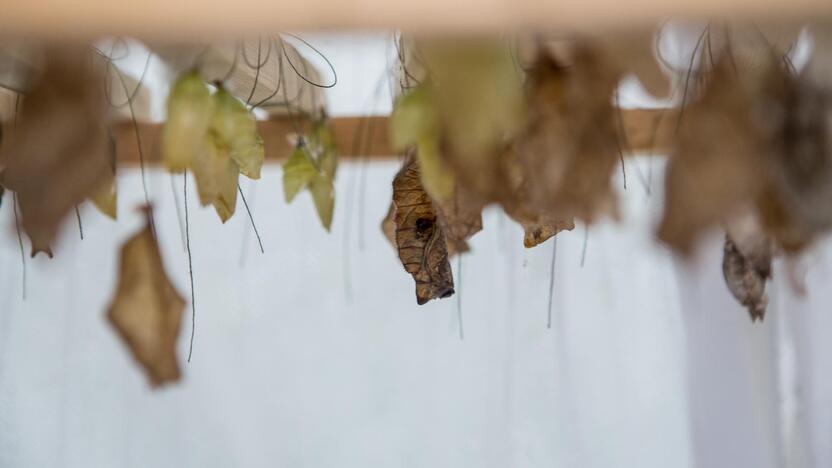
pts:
pixel 531 125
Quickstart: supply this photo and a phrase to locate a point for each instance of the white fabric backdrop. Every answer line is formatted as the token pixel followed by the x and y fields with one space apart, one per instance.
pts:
pixel 286 371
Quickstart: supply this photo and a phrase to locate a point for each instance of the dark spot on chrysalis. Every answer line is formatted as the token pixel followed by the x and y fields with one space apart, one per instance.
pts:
pixel 423 226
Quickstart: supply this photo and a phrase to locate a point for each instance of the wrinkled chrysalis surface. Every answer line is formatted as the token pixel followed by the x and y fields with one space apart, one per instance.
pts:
pixel 419 239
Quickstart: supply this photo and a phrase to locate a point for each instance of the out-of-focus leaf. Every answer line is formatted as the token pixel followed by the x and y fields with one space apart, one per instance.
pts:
pixel 538 225
pixel 38 246
pixel 459 217
pixel 226 201
pixel 414 117
pixel 567 153
pixel 190 109
pixel 419 239
pixel 437 177
pixel 106 199
pixel 633 51
pixel 298 172
pixel 756 138
pixel 57 155
pixel 212 170
pixel 478 100
pixel 538 229
pixel 236 127
pixel 819 68
pixel 751 44
pixel 415 122
pixel 321 143
pixel 323 195
pixel 147 310
pixel 715 169
pixel 796 153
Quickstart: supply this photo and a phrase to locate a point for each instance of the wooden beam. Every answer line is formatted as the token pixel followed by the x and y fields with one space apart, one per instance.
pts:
pixel 192 19
pixel 648 131
pixel 355 136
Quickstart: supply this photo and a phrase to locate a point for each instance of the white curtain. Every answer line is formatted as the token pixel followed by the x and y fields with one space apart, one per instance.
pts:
pixel 315 353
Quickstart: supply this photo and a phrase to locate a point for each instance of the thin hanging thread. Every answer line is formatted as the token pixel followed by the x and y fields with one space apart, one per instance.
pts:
pixel 551 282
pixel 586 241
pixel 362 183
pixel 279 67
pixel 135 125
pixel 251 219
pixel 618 146
pixel 256 68
pixel 14 206
pixel 365 134
pixel 179 217
pixel 651 149
pixel 624 145
pixel 350 195
pixel 357 145
pixel 324 57
pixel 261 62
pixel 80 225
pixel 687 77
pixel 190 264
pixel 20 242
pixel 459 295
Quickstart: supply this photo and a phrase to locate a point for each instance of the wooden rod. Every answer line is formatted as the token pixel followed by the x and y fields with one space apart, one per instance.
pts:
pixel 647 130
pixel 182 20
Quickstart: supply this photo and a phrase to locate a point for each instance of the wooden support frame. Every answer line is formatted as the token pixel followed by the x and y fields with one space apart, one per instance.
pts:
pixel 647 131
pixel 189 19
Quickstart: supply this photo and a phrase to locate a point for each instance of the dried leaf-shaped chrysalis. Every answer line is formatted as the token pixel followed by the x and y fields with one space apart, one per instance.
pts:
pixel 226 202
pixel 419 239
pixel 190 109
pixel 718 166
pixel 302 171
pixel 57 154
pixel 147 310
pixel 569 149
pixel 321 143
pixel 322 187
pixel 235 126
pixel 746 275
pixel 212 169
pixel 298 173
pixel 758 136
pixel 538 225
pixel 538 229
pixel 415 121
pixel 323 195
